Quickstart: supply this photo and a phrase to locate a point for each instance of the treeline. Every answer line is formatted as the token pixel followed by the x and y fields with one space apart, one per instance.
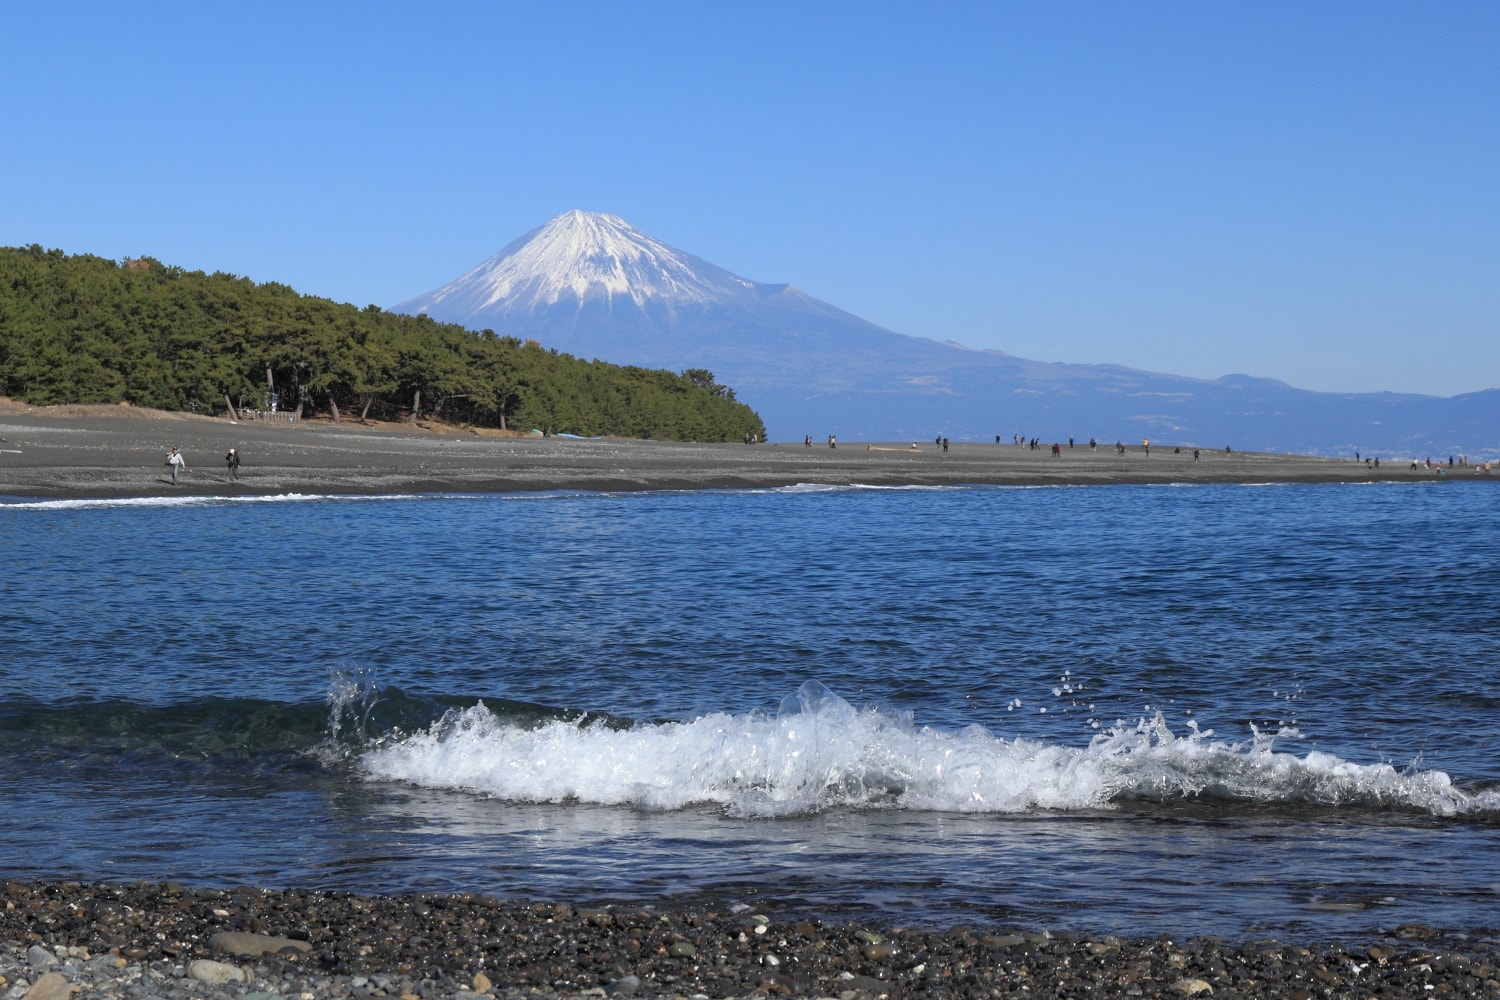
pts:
pixel 83 329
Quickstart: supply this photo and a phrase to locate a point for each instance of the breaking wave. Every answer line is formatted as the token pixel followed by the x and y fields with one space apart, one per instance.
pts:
pixel 819 752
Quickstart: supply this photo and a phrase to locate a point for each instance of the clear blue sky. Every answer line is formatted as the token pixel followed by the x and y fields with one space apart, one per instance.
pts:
pixel 1306 191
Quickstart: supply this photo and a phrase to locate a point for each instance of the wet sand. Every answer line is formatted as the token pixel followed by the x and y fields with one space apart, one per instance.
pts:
pixel 110 451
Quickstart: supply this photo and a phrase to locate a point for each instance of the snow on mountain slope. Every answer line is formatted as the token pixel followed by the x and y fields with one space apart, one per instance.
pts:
pixel 581 256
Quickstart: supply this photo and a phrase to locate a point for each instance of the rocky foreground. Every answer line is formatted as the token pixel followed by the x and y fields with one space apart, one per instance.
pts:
pixel 167 941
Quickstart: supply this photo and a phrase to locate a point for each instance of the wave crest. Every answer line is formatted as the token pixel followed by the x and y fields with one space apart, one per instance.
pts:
pixel 819 752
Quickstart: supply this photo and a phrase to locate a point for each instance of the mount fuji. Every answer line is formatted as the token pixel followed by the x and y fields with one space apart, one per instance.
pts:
pixel 592 285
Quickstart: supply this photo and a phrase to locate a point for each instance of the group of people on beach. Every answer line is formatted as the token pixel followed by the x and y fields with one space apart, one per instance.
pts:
pixel 177 462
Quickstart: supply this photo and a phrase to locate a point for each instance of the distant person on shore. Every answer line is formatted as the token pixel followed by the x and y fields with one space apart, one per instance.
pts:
pixel 807 441
pixel 233 461
pixel 833 441
pixel 1146 447
pixel 1195 454
pixel 175 461
pixel 1093 444
pixel 1057 449
pixel 945 446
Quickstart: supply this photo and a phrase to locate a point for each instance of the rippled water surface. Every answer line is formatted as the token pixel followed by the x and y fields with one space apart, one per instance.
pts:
pixel 1217 708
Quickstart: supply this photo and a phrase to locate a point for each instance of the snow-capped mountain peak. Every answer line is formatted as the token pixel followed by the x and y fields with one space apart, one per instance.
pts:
pixel 582 256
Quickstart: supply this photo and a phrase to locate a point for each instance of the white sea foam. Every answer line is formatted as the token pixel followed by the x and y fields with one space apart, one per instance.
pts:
pixel 820 752
pixel 855 487
pixel 103 503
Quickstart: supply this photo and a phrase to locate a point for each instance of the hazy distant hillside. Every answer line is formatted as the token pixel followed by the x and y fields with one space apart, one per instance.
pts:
pixel 594 286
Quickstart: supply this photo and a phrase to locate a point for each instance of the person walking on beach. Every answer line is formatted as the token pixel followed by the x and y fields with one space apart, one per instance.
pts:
pixel 175 461
pixel 233 461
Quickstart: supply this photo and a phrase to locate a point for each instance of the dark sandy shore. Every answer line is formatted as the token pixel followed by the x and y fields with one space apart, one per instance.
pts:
pixel 120 452
pixel 168 941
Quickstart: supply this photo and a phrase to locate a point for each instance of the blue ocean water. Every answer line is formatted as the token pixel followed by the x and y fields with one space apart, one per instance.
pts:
pixel 1209 709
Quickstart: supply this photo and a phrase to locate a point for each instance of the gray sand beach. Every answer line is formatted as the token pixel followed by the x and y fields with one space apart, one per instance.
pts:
pixel 118 451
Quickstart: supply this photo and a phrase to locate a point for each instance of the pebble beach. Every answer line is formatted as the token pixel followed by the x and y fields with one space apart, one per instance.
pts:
pixel 174 942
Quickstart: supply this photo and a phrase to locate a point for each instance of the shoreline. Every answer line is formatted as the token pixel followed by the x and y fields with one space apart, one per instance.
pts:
pixel 167 940
pixel 105 452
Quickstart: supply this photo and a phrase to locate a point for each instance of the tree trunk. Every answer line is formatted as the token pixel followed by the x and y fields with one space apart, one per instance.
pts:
pixel 333 407
pixel 416 406
pixel 230 403
pixel 369 399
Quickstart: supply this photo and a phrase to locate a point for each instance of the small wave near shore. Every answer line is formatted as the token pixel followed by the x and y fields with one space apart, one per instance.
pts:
pixel 820 752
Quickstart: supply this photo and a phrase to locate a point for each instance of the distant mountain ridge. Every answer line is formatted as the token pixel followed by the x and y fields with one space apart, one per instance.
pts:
pixel 592 285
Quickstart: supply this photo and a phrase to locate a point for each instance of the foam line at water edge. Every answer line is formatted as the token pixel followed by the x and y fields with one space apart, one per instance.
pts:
pixel 102 503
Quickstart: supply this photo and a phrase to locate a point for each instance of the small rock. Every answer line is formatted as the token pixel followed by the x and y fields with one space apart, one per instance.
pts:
pixel 51 986
pixel 215 973
pixel 625 986
pixel 1192 987
pixel 482 983
pixel 253 945
pixel 1004 940
pixel 877 952
pixel 40 958
pixel 866 984
pixel 681 949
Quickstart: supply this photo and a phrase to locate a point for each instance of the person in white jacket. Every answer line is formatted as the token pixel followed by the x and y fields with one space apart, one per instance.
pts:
pixel 175 461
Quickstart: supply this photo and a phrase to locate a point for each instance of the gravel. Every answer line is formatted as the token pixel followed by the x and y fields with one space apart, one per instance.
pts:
pixel 148 940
